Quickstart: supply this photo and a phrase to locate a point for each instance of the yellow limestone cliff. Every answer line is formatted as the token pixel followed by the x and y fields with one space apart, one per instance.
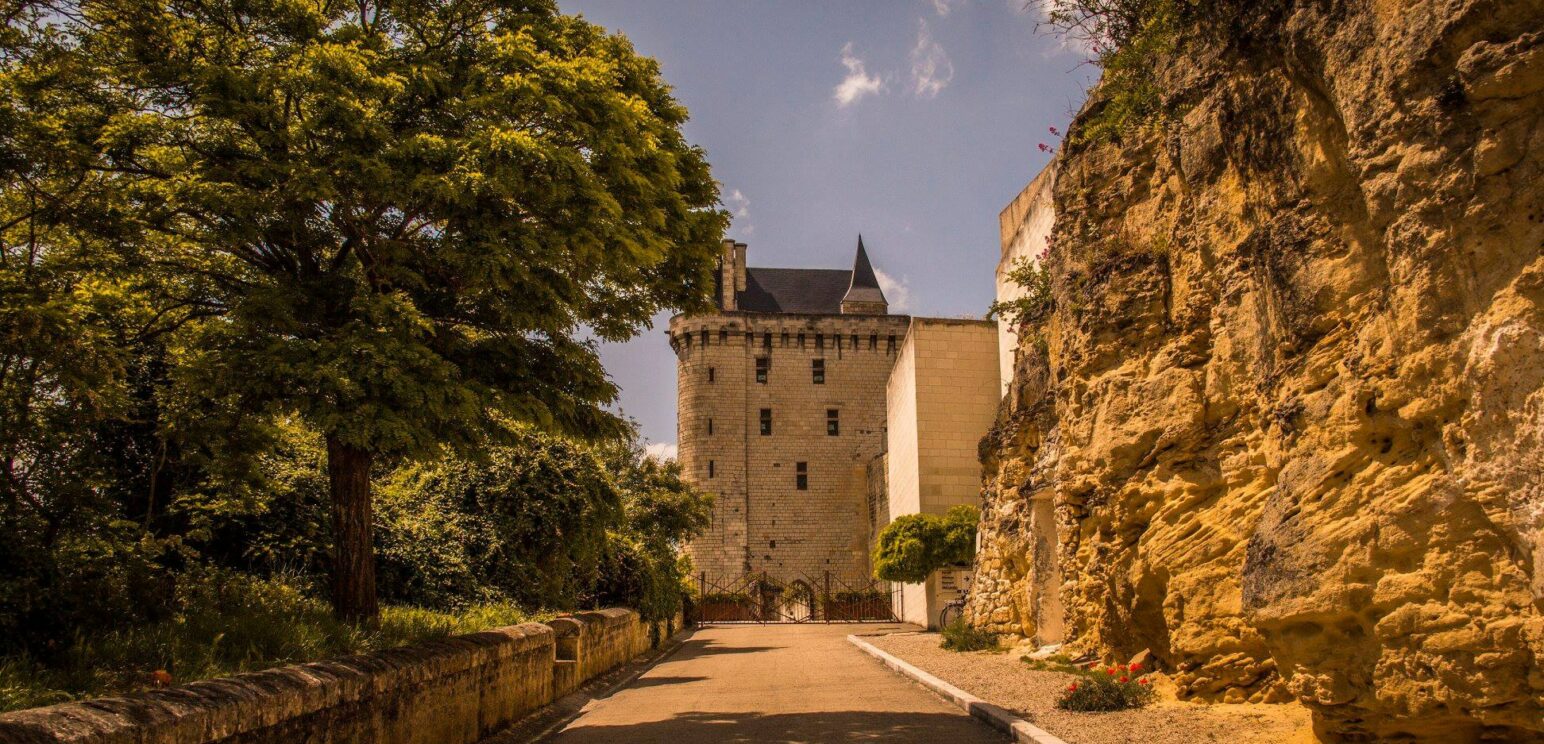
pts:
pixel 1285 426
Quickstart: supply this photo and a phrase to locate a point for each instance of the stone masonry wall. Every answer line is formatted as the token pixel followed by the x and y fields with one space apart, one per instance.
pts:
pixel 1292 415
pixel 453 691
pixel 762 522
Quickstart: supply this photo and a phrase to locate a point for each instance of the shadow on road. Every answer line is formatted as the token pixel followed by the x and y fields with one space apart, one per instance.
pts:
pixel 731 728
pixel 661 681
pixel 696 648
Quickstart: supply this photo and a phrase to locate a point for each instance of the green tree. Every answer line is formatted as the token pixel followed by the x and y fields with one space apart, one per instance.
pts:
pixel 398 219
pixel 913 546
pixel 643 565
pixel 524 522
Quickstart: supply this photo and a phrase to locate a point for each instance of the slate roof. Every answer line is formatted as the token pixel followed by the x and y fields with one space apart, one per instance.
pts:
pixel 816 291
pixel 808 291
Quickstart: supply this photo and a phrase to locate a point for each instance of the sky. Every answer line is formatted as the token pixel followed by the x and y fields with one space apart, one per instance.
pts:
pixel 912 122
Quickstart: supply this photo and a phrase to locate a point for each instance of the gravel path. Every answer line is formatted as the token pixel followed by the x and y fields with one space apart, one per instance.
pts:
pixel 1004 680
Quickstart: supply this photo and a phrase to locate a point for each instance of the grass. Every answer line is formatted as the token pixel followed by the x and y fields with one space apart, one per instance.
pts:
pixel 225 625
pixel 1053 663
pixel 959 636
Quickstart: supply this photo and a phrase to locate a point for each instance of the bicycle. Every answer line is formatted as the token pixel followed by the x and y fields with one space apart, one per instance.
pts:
pixel 954 609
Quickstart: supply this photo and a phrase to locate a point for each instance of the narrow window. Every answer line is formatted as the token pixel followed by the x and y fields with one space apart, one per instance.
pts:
pixel 820 340
pixel 766 422
pixel 837 337
pixel 750 338
pixel 801 340
pixel 711 373
pixel 710 426
pixel 833 422
pixel 723 335
pixel 854 342
pixel 890 343
pixel 818 371
pixel 710 468
pixel 766 339
pixel 704 338
pixel 801 478
pixel 785 338
pixel 763 365
pixel 873 341
pixel 688 337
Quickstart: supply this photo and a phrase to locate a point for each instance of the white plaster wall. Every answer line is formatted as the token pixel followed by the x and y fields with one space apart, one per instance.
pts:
pixel 1023 227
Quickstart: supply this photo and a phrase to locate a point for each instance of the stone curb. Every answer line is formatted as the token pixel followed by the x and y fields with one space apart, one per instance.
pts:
pixel 1022 731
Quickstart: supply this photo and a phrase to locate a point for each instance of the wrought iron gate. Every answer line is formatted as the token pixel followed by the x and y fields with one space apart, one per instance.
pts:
pixel 798 598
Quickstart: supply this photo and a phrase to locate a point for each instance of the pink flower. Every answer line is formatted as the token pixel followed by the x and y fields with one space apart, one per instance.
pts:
pixel 1053 131
pixel 1044 147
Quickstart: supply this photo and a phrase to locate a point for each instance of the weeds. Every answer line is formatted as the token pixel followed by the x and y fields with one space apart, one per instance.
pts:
pixel 958 636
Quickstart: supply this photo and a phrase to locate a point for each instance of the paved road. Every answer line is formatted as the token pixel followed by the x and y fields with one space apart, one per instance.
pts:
pixel 775 683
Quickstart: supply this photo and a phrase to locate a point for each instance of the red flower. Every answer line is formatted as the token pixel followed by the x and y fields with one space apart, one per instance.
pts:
pixel 1110 671
pixel 1072 687
pixel 1142 681
pixel 1124 678
pixel 1136 667
pixel 161 677
pixel 1053 131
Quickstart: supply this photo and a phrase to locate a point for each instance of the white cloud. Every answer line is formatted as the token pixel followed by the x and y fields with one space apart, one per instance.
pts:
pixel 738 204
pixel 740 209
pixel 897 291
pixel 662 450
pixel 931 70
pixel 858 82
pixel 944 6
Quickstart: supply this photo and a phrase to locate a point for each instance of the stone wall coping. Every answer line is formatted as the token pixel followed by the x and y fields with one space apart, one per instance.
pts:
pixel 226 706
pixel 610 616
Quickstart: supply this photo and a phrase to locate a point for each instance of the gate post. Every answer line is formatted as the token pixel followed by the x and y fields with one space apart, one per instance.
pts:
pixel 827 600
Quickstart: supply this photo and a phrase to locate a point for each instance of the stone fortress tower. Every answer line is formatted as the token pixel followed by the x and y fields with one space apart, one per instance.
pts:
pixel 781 398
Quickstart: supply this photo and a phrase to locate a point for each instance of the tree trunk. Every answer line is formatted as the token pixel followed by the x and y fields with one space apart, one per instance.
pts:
pixel 353 557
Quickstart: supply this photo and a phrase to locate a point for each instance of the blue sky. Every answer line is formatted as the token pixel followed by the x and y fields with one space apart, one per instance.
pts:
pixel 911 121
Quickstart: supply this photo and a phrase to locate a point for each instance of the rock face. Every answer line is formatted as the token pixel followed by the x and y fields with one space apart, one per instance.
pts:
pixel 1286 429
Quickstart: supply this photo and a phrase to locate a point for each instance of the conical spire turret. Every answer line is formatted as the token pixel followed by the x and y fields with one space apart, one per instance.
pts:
pixel 863 294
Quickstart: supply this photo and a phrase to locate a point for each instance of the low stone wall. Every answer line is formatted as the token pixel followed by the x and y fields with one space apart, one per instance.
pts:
pixel 453 691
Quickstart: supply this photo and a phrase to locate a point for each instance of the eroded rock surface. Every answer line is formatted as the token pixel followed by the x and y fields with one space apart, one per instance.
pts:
pixel 1287 428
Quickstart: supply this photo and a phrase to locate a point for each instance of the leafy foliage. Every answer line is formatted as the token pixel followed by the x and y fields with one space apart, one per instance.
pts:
pixel 1128 40
pixel 1037 303
pixel 913 546
pixel 526 522
pixel 239 240
pixel 221 622
pixel 392 220
pixel 960 636
pixel 1113 688
pixel 643 566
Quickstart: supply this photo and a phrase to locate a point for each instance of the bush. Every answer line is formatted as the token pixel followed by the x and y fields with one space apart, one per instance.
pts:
pixel 527 523
pixel 913 546
pixel 1129 40
pixel 224 622
pixel 959 636
pixel 1113 688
